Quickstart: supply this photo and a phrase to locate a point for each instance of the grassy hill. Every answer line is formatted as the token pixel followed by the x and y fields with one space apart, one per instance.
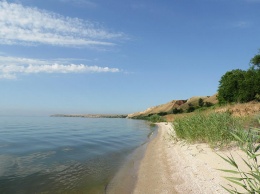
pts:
pixel 176 105
pixel 166 110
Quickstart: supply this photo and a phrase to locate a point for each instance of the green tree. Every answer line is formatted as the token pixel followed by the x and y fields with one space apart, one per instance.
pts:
pixel 229 85
pixel 191 108
pixel 177 111
pixel 247 88
pixel 201 102
pixel 208 104
pixel 255 61
pixel 241 86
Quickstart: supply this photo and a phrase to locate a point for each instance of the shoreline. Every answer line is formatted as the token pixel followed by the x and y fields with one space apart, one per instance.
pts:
pixel 125 179
pixel 154 171
pixel 170 167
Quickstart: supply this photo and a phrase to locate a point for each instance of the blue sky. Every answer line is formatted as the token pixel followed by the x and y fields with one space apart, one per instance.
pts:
pixel 114 56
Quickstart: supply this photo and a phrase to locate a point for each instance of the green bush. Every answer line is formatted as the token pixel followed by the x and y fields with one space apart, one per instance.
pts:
pixel 156 118
pixel 162 113
pixel 201 102
pixel 213 129
pixel 191 108
pixel 177 111
pixel 208 104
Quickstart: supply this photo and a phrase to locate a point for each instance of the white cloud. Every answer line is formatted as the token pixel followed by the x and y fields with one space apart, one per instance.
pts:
pixel 28 25
pixel 10 67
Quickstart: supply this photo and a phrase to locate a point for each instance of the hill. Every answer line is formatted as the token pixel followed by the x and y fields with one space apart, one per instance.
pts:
pixel 176 105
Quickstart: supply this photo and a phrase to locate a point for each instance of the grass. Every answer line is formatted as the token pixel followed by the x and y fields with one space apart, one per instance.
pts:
pixel 213 128
pixel 155 118
pixel 248 179
pixel 221 129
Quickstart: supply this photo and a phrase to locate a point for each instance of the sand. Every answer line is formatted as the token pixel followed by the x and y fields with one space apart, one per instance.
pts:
pixel 173 167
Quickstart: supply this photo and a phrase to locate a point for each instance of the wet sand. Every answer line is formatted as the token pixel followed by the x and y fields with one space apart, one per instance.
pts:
pixel 125 179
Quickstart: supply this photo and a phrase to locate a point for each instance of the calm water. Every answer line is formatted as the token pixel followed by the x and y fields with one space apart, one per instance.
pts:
pixel 64 155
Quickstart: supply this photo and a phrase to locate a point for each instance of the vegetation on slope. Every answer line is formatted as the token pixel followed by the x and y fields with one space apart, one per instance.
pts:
pixel 248 179
pixel 154 118
pixel 199 120
pixel 213 128
pixel 239 85
pixel 222 128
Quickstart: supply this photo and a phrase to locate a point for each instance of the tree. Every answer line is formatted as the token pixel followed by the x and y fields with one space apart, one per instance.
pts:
pixel 191 108
pixel 241 86
pixel 255 61
pixel 201 102
pixel 247 89
pixel 229 85
pixel 208 104
pixel 177 111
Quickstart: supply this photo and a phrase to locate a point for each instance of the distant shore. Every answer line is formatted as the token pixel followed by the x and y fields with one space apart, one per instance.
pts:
pixel 170 167
pixel 90 115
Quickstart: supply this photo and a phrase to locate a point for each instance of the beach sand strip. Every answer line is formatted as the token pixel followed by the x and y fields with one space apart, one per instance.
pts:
pixel 171 166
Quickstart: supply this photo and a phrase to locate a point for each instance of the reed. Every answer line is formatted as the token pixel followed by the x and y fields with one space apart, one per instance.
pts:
pixel 213 128
pixel 248 179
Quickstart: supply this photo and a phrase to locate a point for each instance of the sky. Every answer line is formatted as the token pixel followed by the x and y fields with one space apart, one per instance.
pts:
pixel 119 56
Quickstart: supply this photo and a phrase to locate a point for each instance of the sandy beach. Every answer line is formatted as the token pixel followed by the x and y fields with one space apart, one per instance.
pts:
pixel 173 167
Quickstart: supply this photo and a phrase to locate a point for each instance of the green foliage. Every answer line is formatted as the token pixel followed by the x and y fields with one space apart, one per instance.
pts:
pixel 213 128
pixel 239 86
pixel 191 108
pixel 162 113
pixel 229 85
pixel 177 111
pixel 248 179
pixel 255 61
pixel 156 118
pixel 257 97
pixel 208 104
pixel 201 102
pixel 140 117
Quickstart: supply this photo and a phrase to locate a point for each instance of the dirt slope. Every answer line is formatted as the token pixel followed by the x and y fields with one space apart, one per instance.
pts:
pixel 178 104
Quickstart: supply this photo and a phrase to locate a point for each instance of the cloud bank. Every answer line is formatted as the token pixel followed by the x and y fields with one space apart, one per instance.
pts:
pixel 28 25
pixel 10 67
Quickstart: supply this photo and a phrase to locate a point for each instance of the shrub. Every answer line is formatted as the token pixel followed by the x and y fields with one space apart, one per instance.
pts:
pixel 162 113
pixel 191 108
pixel 156 118
pixel 177 111
pixel 213 128
pixel 208 104
pixel 201 102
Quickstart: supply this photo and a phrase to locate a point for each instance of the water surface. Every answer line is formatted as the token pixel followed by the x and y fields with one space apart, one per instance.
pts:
pixel 64 155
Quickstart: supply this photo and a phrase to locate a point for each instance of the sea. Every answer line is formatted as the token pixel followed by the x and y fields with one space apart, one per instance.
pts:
pixel 65 155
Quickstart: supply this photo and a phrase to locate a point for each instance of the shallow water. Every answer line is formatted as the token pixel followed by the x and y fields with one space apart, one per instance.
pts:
pixel 64 155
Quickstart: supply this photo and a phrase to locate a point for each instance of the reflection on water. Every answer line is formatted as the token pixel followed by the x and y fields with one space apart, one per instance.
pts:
pixel 64 155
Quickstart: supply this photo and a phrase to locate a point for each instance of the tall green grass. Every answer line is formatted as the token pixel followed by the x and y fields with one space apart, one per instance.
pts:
pixel 213 128
pixel 248 179
pixel 221 129
pixel 156 118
